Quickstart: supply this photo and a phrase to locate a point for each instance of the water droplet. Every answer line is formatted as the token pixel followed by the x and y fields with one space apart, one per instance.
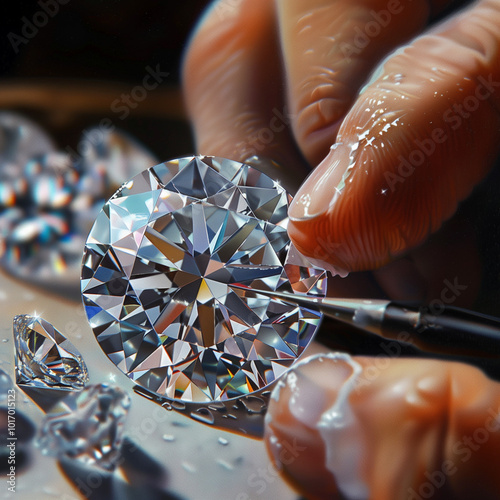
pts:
pixel 178 405
pixel 218 406
pixel 203 415
pixel 5 340
pixel 189 467
pixel 223 441
pixel 225 465
pixel 254 404
pixel 177 423
pixel 169 438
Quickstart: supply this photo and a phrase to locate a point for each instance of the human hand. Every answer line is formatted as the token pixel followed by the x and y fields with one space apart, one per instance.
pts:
pixel 437 100
pixel 341 427
pixel 417 109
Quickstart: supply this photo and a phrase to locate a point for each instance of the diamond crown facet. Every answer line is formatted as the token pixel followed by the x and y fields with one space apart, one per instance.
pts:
pixel 157 276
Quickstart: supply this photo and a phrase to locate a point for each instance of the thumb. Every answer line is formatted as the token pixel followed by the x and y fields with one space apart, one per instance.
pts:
pixel 341 427
pixel 417 140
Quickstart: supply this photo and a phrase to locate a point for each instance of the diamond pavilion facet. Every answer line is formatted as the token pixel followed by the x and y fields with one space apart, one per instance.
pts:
pixel 157 276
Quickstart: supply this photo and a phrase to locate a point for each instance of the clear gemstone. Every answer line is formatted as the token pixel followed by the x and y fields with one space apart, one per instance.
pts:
pixel 114 152
pixel 49 200
pixel 86 426
pixel 45 358
pixel 20 140
pixel 157 279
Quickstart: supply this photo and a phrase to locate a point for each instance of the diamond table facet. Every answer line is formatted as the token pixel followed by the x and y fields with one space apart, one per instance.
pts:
pixel 157 276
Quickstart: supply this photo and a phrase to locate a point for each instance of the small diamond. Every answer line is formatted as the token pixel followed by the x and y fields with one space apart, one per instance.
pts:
pixel 114 152
pixel 20 140
pixel 45 358
pixel 87 426
pixel 157 279
pixel 49 200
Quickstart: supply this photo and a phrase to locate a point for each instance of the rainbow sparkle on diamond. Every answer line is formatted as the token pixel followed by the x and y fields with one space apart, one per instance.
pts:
pixel 158 273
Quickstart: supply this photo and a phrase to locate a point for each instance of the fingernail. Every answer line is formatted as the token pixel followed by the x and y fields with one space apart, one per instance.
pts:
pixel 315 382
pixel 322 187
pixel 310 417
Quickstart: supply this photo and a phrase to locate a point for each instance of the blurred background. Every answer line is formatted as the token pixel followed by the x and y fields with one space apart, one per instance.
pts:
pixel 68 65
pixel 67 68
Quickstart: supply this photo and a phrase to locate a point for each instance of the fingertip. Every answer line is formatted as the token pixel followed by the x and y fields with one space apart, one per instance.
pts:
pixel 294 424
pixel 232 85
pixel 358 427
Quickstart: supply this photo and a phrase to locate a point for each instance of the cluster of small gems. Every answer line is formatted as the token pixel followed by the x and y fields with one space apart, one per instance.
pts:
pixel 164 272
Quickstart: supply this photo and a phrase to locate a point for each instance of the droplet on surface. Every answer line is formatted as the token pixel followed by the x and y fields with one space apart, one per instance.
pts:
pixel 224 464
pixel 223 441
pixel 254 404
pixel 203 415
pixel 189 467
pixel 86 426
pixel 179 423
pixel 45 358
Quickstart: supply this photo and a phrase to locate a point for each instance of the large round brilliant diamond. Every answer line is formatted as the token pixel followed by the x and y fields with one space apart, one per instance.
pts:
pixel 164 272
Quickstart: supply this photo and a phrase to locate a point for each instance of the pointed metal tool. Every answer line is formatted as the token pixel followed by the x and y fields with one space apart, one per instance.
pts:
pixel 451 331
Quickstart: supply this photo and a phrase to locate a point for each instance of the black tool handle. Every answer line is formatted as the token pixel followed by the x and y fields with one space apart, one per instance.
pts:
pixel 449 330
